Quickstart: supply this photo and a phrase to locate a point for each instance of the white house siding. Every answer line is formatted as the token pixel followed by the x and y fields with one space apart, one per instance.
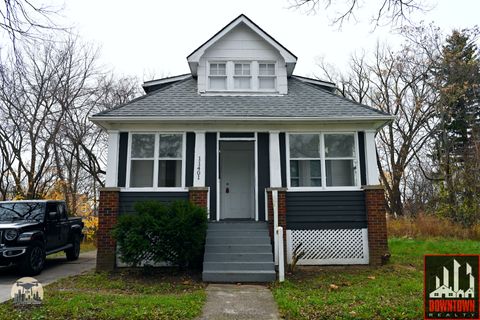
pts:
pixel 242 44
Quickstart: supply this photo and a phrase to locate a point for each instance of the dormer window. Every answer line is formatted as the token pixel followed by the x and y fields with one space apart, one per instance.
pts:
pixel 266 76
pixel 242 77
pixel 218 76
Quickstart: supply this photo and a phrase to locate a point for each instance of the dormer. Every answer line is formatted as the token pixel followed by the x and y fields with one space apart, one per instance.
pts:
pixel 242 59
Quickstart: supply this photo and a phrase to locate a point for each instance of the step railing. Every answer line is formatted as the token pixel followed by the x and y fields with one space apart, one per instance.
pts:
pixel 279 252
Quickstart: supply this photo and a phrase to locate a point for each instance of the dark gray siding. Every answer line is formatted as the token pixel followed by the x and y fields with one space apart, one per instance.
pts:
pixel 190 148
pixel 263 171
pixel 211 170
pixel 122 159
pixel 283 158
pixel 361 151
pixel 128 199
pixel 326 210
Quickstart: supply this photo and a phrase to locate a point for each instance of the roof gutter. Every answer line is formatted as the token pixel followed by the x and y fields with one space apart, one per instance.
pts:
pixel 96 119
pixel 106 122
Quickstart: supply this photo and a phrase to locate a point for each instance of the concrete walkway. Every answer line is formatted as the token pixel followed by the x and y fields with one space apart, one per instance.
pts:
pixel 239 302
pixel 55 269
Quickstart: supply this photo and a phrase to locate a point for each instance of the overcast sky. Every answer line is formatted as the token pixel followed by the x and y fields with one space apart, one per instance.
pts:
pixel 144 38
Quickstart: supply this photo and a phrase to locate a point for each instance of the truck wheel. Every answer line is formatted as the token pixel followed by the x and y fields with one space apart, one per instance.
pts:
pixel 34 259
pixel 74 251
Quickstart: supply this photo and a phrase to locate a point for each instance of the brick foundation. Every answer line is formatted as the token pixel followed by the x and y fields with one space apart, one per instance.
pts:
pixel 107 218
pixel 282 215
pixel 198 196
pixel 377 224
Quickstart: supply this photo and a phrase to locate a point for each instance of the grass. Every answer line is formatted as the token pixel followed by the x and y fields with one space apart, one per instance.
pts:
pixel 126 295
pixel 394 291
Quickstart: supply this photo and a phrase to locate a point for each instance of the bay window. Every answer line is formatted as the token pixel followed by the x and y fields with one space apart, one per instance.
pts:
pixel 322 160
pixel 156 160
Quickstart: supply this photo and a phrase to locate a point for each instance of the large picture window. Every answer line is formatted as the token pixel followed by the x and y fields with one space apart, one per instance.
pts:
pixel 156 160
pixel 322 160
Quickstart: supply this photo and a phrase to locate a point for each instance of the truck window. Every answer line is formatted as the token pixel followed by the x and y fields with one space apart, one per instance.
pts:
pixel 62 211
pixel 51 207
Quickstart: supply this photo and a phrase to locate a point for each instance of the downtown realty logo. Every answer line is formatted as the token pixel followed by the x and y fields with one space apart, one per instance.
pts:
pixel 451 287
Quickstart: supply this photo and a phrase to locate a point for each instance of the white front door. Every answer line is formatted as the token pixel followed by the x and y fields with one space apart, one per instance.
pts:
pixel 237 180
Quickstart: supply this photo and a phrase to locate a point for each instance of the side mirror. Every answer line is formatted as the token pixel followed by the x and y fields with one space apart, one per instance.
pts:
pixel 52 215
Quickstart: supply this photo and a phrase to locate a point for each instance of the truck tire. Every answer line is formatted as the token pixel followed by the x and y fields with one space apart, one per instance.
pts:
pixel 74 252
pixel 34 260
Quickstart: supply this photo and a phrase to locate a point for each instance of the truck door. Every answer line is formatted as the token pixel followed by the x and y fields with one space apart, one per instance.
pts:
pixel 64 225
pixel 52 226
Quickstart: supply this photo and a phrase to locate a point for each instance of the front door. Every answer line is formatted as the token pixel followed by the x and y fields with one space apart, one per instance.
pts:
pixel 237 180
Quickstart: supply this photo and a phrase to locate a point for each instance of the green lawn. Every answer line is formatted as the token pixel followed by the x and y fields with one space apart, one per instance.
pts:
pixel 394 291
pixel 125 295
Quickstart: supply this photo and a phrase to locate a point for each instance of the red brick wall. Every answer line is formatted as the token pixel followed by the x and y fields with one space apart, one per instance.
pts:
pixel 282 215
pixel 377 224
pixel 198 196
pixel 107 218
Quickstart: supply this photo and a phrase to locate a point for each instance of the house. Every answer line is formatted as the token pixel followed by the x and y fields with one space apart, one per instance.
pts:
pixel 258 147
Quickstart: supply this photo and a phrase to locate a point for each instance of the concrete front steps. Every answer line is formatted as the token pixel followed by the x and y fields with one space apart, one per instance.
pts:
pixel 238 252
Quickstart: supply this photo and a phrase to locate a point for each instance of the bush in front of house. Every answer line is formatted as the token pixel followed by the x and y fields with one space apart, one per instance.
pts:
pixel 173 233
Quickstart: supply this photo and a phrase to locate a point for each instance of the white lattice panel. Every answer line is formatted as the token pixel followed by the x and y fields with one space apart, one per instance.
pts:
pixel 323 247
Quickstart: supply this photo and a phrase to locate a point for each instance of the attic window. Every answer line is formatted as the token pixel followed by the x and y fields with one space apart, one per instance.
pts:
pixel 242 76
pixel 218 76
pixel 266 76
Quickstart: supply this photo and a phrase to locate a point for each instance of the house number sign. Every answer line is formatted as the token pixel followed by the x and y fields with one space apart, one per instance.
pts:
pixel 199 168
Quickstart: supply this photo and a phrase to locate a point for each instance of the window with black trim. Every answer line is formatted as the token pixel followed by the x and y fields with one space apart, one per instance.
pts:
pixel 156 160
pixel 305 160
pixel 323 160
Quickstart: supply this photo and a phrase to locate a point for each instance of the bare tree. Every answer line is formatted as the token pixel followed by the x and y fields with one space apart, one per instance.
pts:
pixel 39 87
pixel 400 84
pixel 27 20
pixel 393 12
pixel 81 148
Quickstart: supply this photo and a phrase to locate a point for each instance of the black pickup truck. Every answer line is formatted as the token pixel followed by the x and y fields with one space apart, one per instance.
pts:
pixel 32 229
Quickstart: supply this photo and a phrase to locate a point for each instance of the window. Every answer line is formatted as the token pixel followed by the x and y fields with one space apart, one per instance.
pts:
pixel 266 76
pixel 156 160
pixel 170 160
pixel 305 166
pixel 242 76
pixel 142 160
pixel 323 160
pixel 340 159
pixel 218 76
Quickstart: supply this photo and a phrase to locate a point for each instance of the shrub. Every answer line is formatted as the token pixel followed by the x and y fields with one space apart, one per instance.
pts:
pixel 173 233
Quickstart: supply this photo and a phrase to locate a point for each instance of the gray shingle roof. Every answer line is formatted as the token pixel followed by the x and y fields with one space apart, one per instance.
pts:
pixel 182 100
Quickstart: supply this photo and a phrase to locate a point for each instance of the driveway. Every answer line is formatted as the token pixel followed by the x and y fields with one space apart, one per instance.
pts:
pixel 55 268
